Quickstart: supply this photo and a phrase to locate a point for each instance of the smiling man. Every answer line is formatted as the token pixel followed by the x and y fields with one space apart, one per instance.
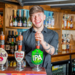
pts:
pixel 48 38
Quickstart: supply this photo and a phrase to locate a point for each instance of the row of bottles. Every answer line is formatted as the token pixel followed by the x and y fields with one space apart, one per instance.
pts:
pixel 19 21
pixel 49 22
pixel 65 42
pixel 67 22
pixel 1 20
pixel 14 42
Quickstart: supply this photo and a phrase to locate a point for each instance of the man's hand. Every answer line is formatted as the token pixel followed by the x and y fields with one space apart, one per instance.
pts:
pixel 39 36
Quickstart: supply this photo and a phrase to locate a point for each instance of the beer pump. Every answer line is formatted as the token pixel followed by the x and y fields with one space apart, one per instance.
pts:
pixel 37 56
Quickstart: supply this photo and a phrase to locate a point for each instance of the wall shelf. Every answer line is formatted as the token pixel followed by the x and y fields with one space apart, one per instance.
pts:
pixel 18 27
pixel 68 29
pixel 54 28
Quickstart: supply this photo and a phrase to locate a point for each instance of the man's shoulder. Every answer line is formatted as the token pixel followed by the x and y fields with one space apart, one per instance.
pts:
pixel 26 32
pixel 52 32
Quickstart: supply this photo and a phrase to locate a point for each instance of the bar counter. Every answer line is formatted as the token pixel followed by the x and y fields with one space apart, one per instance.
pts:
pixel 26 71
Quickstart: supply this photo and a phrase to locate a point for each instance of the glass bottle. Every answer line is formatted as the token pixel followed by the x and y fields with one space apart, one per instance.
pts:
pixel 11 22
pixel 24 19
pixel 19 19
pixel 15 19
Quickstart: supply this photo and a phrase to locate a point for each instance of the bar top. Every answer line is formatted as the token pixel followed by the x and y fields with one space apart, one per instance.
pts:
pixel 26 70
pixel 64 53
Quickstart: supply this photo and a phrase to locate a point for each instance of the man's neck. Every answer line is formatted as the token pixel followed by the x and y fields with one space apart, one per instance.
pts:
pixel 38 29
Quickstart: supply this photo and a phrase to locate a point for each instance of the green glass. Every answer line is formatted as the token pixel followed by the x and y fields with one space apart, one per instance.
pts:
pixel 37 57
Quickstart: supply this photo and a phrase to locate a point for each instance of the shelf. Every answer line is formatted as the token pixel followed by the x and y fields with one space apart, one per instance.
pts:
pixel 68 29
pixel 10 55
pixel 54 28
pixel 29 27
pixel 18 27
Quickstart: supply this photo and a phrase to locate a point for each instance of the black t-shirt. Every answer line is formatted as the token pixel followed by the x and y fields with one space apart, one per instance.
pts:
pixel 50 36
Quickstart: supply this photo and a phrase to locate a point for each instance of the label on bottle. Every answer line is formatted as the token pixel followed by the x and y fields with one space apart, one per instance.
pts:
pixel 68 24
pixel 15 23
pixel 65 23
pixel 64 46
pixel 2 42
pixel 67 46
pixel 9 40
pixel 16 47
pixel 19 42
pixel 11 24
pixel 71 26
pixel 12 49
pixel 19 24
pixel 24 24
pixel 7 47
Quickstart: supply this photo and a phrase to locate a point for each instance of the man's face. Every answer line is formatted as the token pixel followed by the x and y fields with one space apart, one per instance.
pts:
pixel 37 19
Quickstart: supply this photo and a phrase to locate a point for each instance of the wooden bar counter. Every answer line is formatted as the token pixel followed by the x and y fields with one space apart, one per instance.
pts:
pixel 64 55
pixel 26 71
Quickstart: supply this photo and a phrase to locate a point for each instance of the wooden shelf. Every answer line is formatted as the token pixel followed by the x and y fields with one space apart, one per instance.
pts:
pixel 68 29
pixel 18 27
pixel 29 27
pixel 10 55
pixel 54 28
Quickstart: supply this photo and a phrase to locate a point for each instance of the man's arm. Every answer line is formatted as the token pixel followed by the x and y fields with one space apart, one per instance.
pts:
pixel 48 47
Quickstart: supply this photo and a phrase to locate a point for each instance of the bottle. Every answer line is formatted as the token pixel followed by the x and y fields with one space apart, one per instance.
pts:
pixel 46 22
pixel 65 22
pixel 9 37
pixel 20 39
pixel 19 19
pixel 15 19
pixel 16 43
pixel 68 22
pixel 29 23
pixel 11 22
pixel 64 43
pixel 12 36
pixel 71 25
pixel 67 45
pixel 52 21
pixel 24 19
pixel 49 20
pixel 2 42
pixel 12 46
pixel 62 38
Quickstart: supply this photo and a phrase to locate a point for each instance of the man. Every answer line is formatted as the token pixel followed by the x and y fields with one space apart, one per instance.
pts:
pixel 48 38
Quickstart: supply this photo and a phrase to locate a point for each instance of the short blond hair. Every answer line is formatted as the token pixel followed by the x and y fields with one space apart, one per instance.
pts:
pixel 35 9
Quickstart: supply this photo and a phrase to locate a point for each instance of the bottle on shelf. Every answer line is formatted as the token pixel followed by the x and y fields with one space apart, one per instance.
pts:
pixel 16 43
pixel 68 22
pixel 15 19
pixel 52 20
pixel 11 22
pixel 12 36
pixel 24 19
pixel 12 46
pixel 71 25
pixel 64 43
pixel 20 39
pixel 9 37
pixel 2 40
pixel 19 19
pixel 46 22
pixel 65 21
pixel 49 21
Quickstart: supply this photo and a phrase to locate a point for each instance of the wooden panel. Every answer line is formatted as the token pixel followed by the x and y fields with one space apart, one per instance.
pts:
pixel 26 7
pixel 60 58
pixel 73 56
pixel 11 6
